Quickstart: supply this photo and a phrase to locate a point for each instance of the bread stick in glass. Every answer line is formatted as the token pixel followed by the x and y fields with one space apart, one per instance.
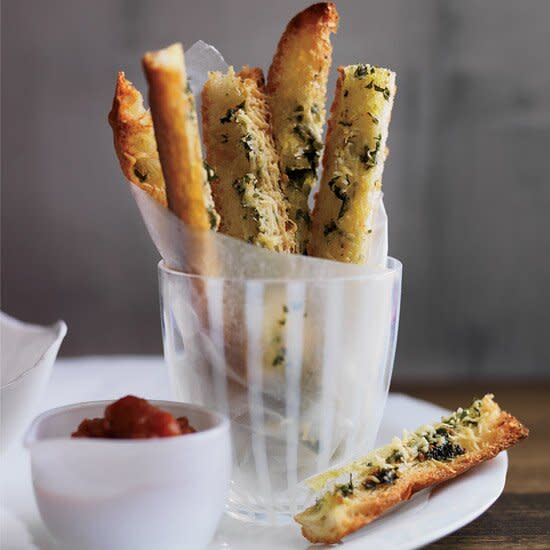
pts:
pixel 134 140
pixel 177 134
pixel 353 163
pixel 239 147
pixel 296 90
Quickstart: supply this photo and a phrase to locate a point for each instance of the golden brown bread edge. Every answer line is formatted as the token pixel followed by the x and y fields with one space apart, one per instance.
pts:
pixel 134 140
pixel 239 147
pixel 296 91
pixel 506 431
pixel 322 13
pixel 177 135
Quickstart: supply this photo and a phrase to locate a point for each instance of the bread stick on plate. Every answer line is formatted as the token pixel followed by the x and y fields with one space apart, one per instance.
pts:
pixel 353 163
pixel 134 140
pixel 296 90
pixel 177 133
pixel 387 476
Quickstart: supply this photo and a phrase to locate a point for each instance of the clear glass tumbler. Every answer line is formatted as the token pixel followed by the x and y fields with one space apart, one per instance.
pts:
pixel 300 367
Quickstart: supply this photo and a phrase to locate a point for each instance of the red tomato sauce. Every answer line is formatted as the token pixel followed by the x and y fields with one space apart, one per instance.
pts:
pixel 133 418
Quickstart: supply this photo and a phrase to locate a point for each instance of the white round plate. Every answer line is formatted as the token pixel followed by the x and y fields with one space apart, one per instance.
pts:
pixel 429 516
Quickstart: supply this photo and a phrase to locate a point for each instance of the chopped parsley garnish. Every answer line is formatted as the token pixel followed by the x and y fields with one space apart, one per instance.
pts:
pixel 363 70
pixel 384 91
pixel 369 156
pixel 312 153
pixel 139 175
pixel 212 217
pixel 382 476
pixel 303 215
pixel 301 131
pixel 312 149
pixel 339 186
pixel 297 177
pixel 210 173
pixel 345 205
pixel 395 457
pixel 247 141
pixel 282 322
pixel 387 476
pixel 373 118
pixel 467 417
pixel 345 489
pixel 329 228
pixel 336 188
pixel 240 183
pixel 279 359
pixel 230 114
pixel 444 451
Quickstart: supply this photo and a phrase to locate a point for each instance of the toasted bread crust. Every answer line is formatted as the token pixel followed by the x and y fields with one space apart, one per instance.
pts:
pixel 239 147
pixel 503 433
pixel 134 140
pixel 296 90
pixel 177 133
pixel 323 17
pixel 257 75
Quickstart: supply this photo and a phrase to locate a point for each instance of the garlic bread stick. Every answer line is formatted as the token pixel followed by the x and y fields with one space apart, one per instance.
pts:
pixel 240 149
pixel 296 90
pixel 387 476
pixel 134 140
pixel 353 163
pixel 177 134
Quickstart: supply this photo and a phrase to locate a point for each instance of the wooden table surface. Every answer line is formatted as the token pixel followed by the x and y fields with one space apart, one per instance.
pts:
pixel 520 518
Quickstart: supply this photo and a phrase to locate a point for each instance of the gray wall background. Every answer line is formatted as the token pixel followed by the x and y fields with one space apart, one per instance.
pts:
pixel 467 183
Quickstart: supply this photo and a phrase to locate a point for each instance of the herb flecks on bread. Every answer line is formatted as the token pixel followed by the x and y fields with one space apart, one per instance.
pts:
pixel 392 474
pixel 239 147
pixel 353 163
pixel 296 91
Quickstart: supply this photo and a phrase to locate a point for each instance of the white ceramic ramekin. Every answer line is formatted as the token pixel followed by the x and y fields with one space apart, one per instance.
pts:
pixel 111 494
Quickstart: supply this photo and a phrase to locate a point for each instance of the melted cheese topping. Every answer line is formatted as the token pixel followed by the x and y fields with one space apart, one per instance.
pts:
pixel 299 139
pixel 464 428
pixel 240 150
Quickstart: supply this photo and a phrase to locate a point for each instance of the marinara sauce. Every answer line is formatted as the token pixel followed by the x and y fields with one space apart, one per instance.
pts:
pixel 133 418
